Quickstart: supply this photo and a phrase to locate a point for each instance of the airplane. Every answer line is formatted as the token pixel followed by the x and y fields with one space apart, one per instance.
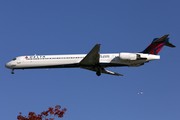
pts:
pixel 140 93
pixel 93 61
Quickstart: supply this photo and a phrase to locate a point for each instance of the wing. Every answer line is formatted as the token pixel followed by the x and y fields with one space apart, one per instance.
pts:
pixel 92 58
pixel 111 73
pixel 91 62
pixel 102 70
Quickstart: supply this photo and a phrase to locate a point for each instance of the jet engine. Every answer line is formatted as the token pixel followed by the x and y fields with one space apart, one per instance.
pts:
pixel 129 56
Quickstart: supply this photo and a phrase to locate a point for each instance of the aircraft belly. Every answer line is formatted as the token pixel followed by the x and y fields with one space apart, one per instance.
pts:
pixel 112 64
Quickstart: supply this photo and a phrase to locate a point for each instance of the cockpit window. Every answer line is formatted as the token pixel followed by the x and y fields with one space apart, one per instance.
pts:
pixel 14 59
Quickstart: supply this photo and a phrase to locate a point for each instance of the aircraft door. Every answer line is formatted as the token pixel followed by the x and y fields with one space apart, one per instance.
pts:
pixel 20 60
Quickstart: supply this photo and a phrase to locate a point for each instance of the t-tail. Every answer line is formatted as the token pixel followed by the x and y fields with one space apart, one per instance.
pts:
pixel 157 44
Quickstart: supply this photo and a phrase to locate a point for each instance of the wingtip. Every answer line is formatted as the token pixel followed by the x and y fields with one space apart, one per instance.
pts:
pixel 120 74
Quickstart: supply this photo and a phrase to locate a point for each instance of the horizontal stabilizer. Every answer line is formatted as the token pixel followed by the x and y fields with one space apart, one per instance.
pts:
pixel 169 44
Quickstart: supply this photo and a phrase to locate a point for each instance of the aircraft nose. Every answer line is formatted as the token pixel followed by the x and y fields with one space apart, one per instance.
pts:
pixel 8 65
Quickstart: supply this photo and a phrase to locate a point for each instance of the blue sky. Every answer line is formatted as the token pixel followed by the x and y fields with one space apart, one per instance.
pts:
pixel 45 27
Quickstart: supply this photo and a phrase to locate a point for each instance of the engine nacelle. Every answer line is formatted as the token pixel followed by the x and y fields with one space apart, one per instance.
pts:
pixel 129 56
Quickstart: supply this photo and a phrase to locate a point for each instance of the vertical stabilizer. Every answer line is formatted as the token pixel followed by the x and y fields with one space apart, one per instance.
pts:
pixel 157 44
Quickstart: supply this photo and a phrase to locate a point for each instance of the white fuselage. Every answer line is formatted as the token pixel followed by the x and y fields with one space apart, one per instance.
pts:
pixel 62 61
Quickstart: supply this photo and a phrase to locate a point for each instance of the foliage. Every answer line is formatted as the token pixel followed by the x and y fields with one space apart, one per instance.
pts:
pixel 45 115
